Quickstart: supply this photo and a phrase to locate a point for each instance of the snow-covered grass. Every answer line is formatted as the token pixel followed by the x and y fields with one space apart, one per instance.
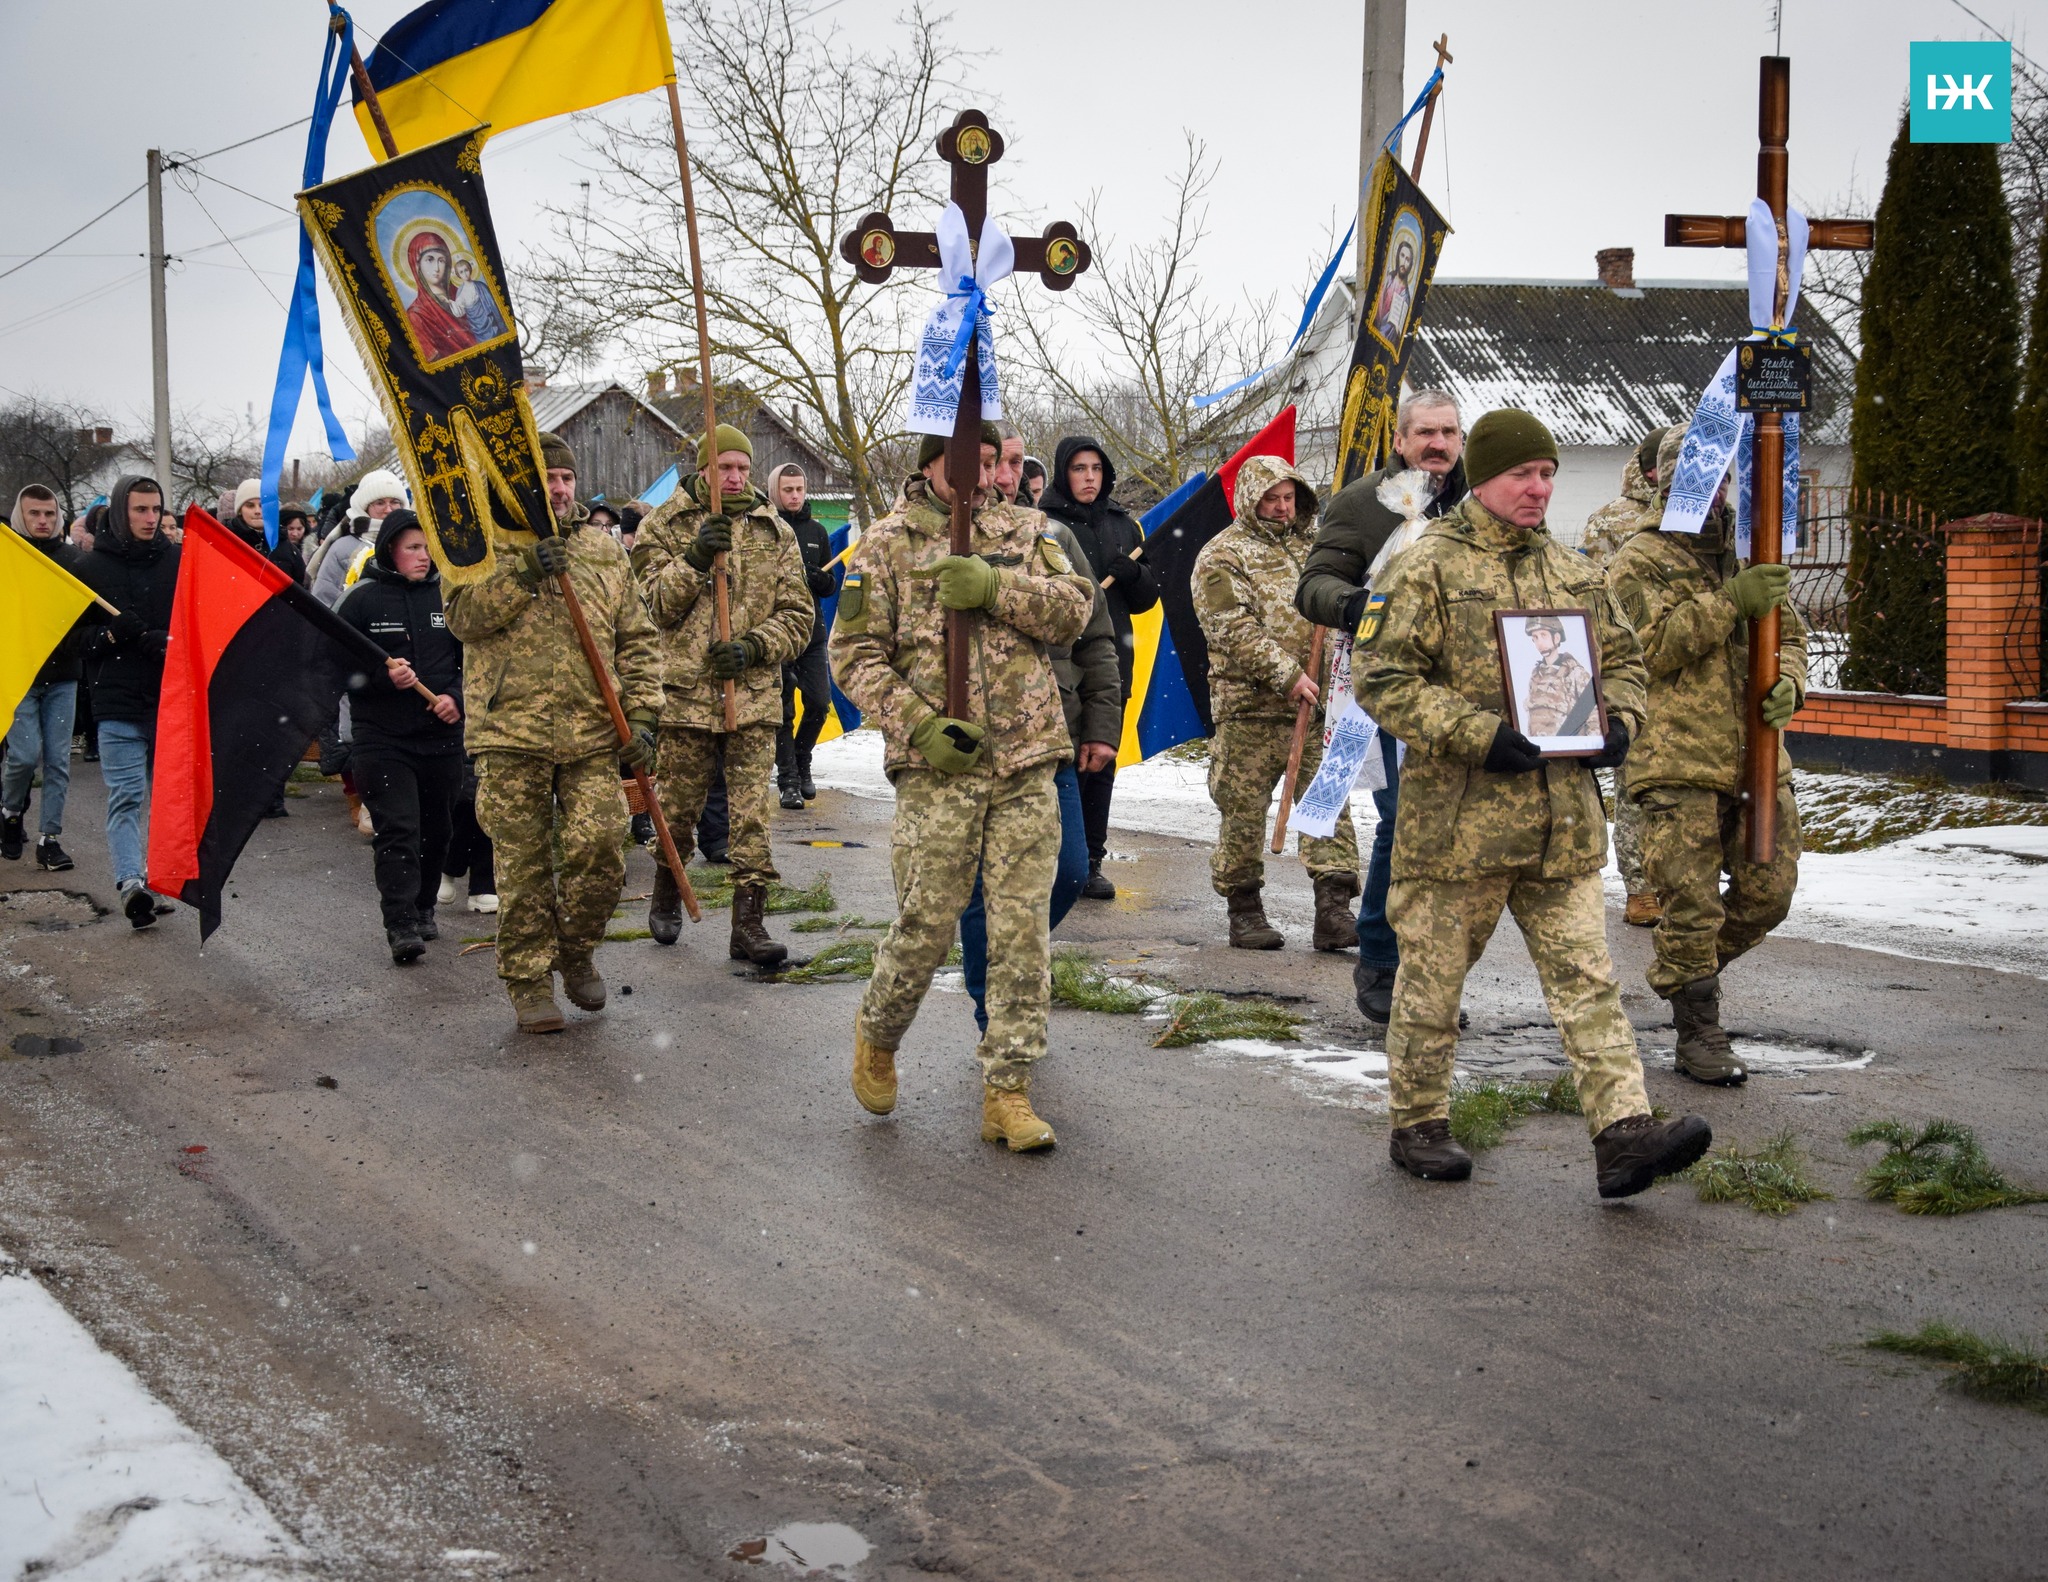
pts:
pixel 99 1481
pixel 1853 812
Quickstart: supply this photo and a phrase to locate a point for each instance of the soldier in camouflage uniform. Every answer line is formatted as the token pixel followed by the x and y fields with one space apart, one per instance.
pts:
pixel 547 757
pixel 771 612
pixel 1244 582
pixel 1558 682
pixel 1691 604
pixel 973 794
pixel 1606 530
pixel 1487 823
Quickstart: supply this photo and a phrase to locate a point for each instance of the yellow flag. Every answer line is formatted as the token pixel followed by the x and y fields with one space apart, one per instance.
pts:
pixel 453 64
pixel 39 600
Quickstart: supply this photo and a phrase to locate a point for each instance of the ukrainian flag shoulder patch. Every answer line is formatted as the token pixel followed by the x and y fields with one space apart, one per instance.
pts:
pixel 1369 622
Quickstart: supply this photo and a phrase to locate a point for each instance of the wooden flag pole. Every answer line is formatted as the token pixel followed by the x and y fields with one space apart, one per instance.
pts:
pixel 720 589
pixel 364 91
pixel 1294 749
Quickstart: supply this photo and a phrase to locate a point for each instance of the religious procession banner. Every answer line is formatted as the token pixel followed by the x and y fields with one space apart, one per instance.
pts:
pixel 410 251
pixel 1403 238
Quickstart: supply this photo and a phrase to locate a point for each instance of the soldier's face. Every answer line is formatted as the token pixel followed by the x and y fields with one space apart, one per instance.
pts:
pixel 1520 495
pixel 1277 503
pixel 1432 440
pixel 1544 640
pixel 561 492
pixel 935 476
pixel 1009 468
pixel 735 471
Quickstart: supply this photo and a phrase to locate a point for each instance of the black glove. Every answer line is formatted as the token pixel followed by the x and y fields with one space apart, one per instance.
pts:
pixel 639 752
pixel 714 538
pixel 1512 753
pixel 1122 570
pixel 1354 609
pixel 1610 756
pixel 124 628
pixel 821 584
pixel 542 561
pixel 729 661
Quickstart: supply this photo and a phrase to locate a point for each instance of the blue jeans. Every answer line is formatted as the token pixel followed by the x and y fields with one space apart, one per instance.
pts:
pixel 41 735
pixel 1067 880
pixel 1376 944
pixel 127 754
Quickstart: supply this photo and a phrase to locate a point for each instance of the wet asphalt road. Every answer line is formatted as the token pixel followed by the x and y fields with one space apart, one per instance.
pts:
pixel 612 1303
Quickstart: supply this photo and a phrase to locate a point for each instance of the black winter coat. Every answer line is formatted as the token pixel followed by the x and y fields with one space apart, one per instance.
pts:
pixel 138 577
pixel 1108 533
pixel 285 557
pixel 405 620
pixel 816 545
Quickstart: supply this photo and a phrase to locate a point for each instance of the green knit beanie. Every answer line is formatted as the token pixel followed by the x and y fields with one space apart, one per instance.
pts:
pixel 555 452
pixel 1504 439
pixel 934 445
pixel 729 438
pixel 1646 453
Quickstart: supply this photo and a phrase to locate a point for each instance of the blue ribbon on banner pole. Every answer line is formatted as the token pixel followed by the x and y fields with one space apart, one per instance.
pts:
pixel 1308 315
pixel 1422 98
pixel 973 313
pixel 301 352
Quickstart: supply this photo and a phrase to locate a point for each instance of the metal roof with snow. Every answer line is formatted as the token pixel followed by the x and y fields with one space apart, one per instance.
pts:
pixel 555 404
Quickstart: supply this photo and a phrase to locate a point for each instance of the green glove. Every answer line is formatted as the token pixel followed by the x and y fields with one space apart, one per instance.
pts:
pixel 950 746
pixel 639 752
pixel 731 660
pixel 1780 703
pixel 714 538
pixel 541 561
pixel 1758 589
pixel 966 582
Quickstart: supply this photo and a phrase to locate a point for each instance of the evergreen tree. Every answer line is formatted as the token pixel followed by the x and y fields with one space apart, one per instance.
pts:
pixel 1936 391
pixel 2030 432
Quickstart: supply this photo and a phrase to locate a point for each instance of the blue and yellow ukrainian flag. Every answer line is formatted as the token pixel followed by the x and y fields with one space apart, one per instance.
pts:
pixel 845 717
pixel 451 64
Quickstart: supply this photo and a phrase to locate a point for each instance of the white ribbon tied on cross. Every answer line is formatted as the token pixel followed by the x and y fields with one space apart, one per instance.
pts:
pixel 969 272
pixel 1718 433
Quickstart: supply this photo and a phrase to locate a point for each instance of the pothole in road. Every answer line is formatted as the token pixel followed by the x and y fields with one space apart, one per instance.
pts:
pixel 51 911
pixel 1781 1057
pixel 808 1549
pixel 38 1045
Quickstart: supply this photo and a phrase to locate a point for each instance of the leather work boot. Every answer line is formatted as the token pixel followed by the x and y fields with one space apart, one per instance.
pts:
pixel 1704 1052
pixel 1373 988
pixel 406 945
pixel 1099 886
pixel 1632 1153
pixel 665 908
pixel 582 983
pixel 874 1075
pixel 1644 910
pixel 1007 1117
pixel 425 923
pixel 1428 1151
pixel 1336 928
pixel 750 941
pixel 1249 929
pixel 13 838
pixel 804 783
pixel 533 1002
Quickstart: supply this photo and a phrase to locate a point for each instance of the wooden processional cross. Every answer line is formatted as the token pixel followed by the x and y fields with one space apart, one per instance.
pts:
pixel 1767 470
pixel 876 249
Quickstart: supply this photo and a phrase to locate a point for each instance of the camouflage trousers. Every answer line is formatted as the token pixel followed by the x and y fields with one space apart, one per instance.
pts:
pixel 687 761
pixel 557 834
pixel 948 828
pixel 1628 845
pixel 1443 927
pixel 1691 836
pixel 1247 759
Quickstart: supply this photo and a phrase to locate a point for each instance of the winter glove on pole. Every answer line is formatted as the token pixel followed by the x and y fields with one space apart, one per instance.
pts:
pixel 1611 755
pixel 714 538
pixel 1758 589
pixel 1780 703
pixel 731 660
pixel 124 628
pixel 966 582
pixel 639 752
pixel 541 561
pixel 950 746
pixel 1512 753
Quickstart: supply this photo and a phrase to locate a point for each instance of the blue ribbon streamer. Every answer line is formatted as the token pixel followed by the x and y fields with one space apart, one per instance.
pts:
pixel 1308 315
pixel 301 352
pixel 1422 98
pixel 976 312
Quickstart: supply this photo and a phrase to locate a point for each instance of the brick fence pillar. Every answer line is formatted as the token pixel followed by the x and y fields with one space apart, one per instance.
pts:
pixel 1994 626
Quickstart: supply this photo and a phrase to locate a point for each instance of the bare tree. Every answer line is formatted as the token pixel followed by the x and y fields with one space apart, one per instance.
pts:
pixel 793 138
pixel 59 445
pixel 211 452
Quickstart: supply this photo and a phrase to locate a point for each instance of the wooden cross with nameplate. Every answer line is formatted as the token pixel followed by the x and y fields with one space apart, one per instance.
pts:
pixel 876 249
pixel 1774 116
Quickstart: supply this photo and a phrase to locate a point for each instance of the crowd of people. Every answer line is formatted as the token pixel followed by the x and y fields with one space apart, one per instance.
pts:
pixel 706 616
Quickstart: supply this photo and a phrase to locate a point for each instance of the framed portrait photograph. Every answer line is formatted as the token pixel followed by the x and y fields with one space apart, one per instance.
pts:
pixel 1550 672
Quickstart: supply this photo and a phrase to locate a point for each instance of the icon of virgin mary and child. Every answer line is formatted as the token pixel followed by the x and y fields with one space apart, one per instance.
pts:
pixel 452 310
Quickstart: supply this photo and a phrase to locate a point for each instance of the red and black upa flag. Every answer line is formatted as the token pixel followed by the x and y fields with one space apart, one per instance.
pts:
pixel 255 668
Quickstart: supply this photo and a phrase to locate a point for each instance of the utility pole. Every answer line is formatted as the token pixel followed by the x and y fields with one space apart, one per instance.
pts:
pixel 1386 37
pixel 159 327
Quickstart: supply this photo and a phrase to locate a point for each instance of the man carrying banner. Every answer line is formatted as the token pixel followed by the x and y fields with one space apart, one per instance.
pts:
pixel 1487 823
pixel 973 794
pixel 1259 650
pixel 547 759
pixel 771 614
pixel 1428 437
pixel 1691 603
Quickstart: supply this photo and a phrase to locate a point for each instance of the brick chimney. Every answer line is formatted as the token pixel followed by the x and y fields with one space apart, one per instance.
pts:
pixel 657 383
pixel 1617 266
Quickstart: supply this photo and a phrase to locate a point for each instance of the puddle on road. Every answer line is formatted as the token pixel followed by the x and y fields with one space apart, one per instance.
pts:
pixel 807 1549
pixel 1780 1057
pixel 51 911
pixel 38 1045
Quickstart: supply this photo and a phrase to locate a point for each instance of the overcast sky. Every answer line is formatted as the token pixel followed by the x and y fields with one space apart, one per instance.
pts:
pixel 1565 127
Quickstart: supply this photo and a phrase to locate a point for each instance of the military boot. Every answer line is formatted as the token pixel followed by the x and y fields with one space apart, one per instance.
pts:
pixel 1007 1117
pixel 1429 1151
pixel 1249 929
pixel 1336 928
pixel 1373 988
pixel 582 983
pixel 750 941
pixel 804 782
pixel 665 908
pixel 1704 1052
pixel 533 1002
pixel 1645 909
pixel 1632 1153
pixel 874 1074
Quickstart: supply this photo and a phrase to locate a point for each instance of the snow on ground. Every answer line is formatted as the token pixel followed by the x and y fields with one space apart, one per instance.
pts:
pixel 99 1481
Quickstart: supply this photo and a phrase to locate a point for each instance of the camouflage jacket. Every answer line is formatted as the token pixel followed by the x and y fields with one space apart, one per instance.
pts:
pixel 889 637
pixel 1090 680
pixel 1244 584
pixel 1696 648
pixel 526 685
pixel 1608 528
pixel 768 596
pixel 1427 667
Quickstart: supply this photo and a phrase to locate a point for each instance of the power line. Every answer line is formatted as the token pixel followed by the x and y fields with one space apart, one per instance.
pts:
pixel 89 224
pixel 203 175
pixel 2023 55
pixel 259 137
pixel 44 315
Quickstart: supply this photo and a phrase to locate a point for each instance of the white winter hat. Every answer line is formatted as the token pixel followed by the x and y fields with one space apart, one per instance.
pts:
pixel 248 489
pixel 377 484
